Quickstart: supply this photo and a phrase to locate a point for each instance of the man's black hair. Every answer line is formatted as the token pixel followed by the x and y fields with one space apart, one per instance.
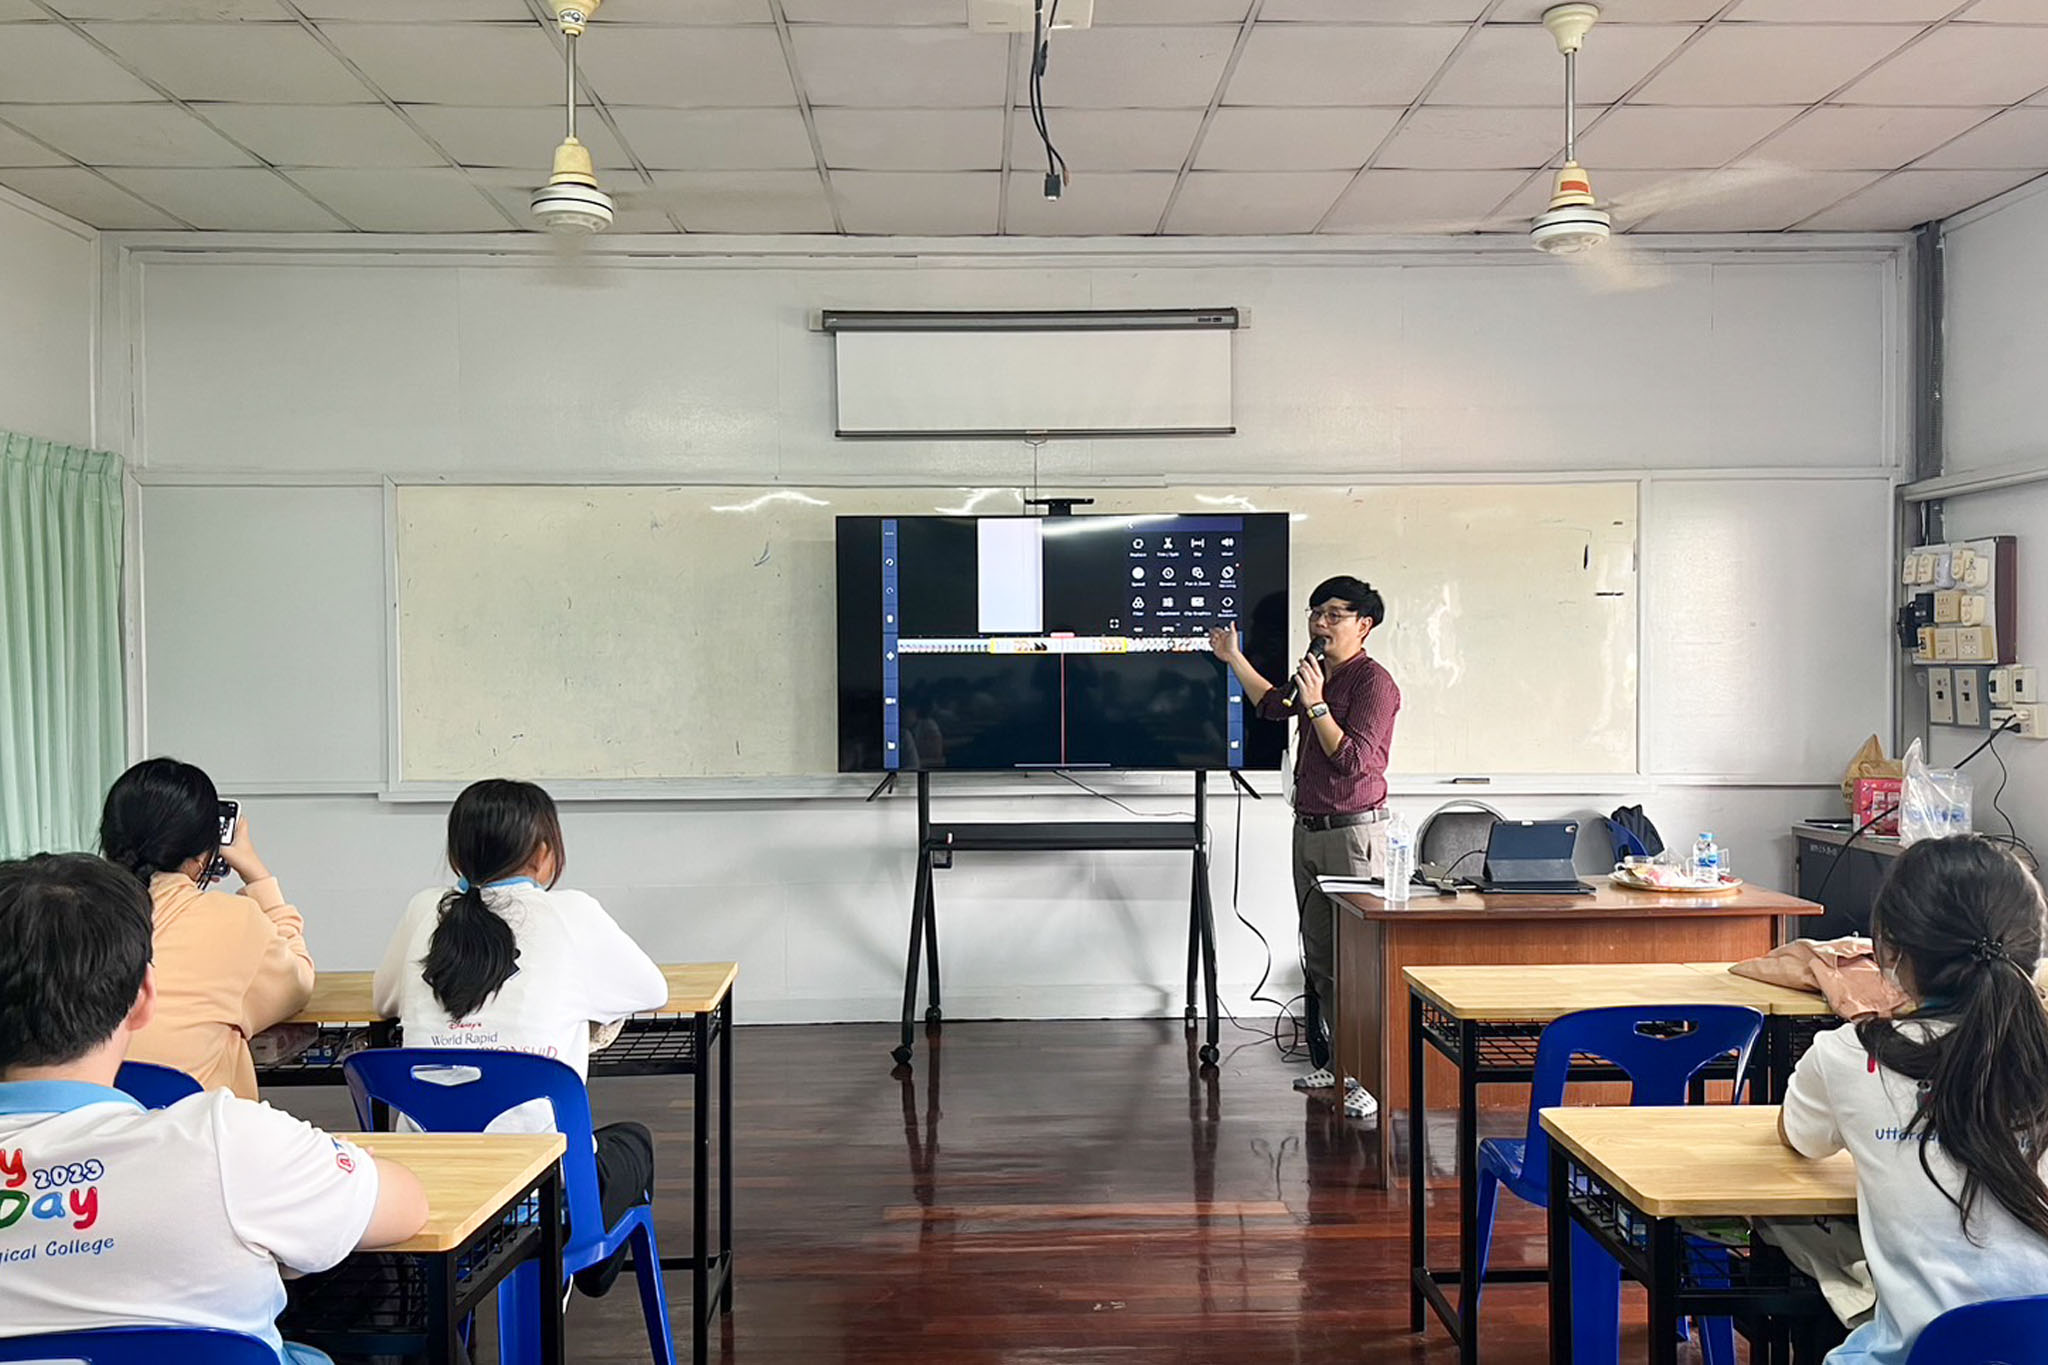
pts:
pixel 75 941
pixel 1355 591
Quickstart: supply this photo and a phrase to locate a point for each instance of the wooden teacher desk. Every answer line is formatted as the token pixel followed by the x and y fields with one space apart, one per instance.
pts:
pixel 1377 941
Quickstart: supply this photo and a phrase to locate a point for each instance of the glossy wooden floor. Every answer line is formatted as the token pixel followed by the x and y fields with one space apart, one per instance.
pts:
pixel 1043 1192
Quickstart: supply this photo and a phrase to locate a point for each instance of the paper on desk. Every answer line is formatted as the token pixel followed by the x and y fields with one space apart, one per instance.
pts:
pixel 1371 886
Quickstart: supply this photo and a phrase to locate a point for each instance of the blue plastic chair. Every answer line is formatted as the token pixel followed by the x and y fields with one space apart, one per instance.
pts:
pixel 143 1346
pixel 1995 1332
pixel 1660 1064
pixel 501 1080
pixel 153 1086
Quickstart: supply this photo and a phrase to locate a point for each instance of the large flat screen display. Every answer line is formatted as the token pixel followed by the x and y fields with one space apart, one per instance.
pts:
pixel 1065 642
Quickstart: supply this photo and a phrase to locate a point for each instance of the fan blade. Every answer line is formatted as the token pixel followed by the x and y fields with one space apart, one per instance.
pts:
pixel 1621 266
pixel 1704 187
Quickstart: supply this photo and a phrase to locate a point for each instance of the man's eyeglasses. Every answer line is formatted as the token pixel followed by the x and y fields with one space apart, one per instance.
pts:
pixel 1329 614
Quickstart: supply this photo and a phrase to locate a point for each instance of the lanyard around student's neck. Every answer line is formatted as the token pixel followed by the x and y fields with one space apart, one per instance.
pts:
pixel 462 884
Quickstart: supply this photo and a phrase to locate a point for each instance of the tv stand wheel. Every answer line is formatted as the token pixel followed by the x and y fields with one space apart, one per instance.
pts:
pixel 1209 1054
pixel 932 1015
pixel 902 1056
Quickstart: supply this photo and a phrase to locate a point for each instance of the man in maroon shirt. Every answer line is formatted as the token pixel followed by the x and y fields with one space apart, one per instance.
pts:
pixel 1346 703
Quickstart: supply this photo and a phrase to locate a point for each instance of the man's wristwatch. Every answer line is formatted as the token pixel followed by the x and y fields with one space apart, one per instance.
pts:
pixel 1319 710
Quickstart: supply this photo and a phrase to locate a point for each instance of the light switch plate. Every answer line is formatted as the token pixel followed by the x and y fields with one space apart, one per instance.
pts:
pixel 1970 698
pixel 2026 686
pixel 1941 696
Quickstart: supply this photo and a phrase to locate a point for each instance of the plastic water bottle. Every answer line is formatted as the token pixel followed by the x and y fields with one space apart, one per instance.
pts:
pixel 1706 861
pixel 1400 868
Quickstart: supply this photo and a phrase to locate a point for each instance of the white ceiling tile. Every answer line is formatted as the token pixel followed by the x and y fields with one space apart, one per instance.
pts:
pixel 1109 204
pixel 1617 12
pixel 1110 139
pixel 1844 11
pixel 245 63
pixel 1133 67
pixel 1961 64
pixel 1378 11
pixel 2017 138
pixel 17 149
pixel 1109 13
pixel 1646 136
pixel 952 13
pixel 192 10
pixel 1910 198
pixel 1421 202
pixel 913 205
pixel 1865 137
pixel 911 139
pixel 2005 12
pixel 86 197
pixel 239 200
pixel 128 134
pixel 419 11
pixel 455 63
pixel 1243 139
pixel 716 139
pixel 1287 64
pixel 746 201
pixel 1770 63
pixel 901 68
pixel 14 10
pixel 49 64
pixel 687 67
pixel 512 137
pixel 1254 203
pixel 1475 139
pixel 620 12
pixel 322 134
pixel 1518 64
pixel 404 201
pixel 1754 199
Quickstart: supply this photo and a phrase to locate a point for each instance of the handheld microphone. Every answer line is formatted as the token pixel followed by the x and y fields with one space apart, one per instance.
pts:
pixel 1315 651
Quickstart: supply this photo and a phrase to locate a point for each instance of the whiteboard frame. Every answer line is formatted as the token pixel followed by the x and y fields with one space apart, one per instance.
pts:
pixel 1166 786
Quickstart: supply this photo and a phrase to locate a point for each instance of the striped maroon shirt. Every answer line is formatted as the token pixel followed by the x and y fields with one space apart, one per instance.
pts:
pixel 1363 701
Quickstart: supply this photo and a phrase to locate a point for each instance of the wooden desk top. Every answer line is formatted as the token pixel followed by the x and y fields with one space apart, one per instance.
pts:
pixel 344 997
pixel 1540 994
pixel 469 1177
pixel 1607 901
pixel 1704 1161
pixel 1766 997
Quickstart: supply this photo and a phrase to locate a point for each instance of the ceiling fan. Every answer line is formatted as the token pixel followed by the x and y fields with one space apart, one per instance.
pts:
pixel 571 205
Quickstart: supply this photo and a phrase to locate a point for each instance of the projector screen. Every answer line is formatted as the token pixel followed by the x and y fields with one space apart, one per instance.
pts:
pixel 993 643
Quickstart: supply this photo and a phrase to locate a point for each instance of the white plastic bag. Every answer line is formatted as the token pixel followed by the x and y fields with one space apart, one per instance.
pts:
pixel 1935 802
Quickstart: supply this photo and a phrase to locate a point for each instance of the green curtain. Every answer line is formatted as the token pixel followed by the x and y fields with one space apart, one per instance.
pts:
pixel 62 712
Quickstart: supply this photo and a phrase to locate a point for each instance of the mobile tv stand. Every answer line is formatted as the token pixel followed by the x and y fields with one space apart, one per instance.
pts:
pixel 936 845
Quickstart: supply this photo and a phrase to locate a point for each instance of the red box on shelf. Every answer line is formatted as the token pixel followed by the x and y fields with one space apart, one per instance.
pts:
pixel 1878 797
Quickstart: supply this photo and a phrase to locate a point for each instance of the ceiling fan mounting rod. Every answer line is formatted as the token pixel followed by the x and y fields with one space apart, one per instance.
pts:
pixel 569 102
pixel 1571 105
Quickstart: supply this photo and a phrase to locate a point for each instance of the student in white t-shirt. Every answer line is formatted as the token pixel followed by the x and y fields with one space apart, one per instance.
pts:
pixel 1945 1112
pixel 115 1215
pixel 504 961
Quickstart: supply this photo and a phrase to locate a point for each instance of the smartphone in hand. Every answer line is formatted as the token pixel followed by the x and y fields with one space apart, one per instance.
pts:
pixel 217 870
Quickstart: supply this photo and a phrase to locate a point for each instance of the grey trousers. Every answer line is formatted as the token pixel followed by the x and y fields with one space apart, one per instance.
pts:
pixel 1352 851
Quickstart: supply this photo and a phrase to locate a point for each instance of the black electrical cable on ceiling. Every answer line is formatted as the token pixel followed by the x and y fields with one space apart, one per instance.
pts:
pixel 1041 46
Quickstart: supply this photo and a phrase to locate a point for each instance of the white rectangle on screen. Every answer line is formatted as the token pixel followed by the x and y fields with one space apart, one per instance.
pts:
pixel 1013 383
pixel 1010 576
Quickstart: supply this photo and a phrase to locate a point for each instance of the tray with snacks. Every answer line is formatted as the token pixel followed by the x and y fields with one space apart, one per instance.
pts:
pixel 1673 881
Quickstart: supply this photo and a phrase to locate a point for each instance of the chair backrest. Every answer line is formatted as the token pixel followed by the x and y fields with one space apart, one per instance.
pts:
pixel 456 1090
pixel 1454 830
pixel 143 1346
pixel 155 1086
pixel 1659 1046
pixel 1995 1332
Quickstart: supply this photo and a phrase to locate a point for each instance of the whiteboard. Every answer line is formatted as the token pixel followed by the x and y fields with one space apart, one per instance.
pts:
pixel 643 633
pixel 264 625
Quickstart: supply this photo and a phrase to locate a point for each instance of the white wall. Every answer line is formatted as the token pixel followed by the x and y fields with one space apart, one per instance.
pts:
pixel 49 286
pixel 1996 415
pixel 286 365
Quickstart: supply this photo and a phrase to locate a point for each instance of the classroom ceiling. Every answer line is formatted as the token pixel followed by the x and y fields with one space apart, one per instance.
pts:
pixel 1193 117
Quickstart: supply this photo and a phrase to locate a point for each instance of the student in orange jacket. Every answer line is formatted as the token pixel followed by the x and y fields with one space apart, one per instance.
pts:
pixel 228 965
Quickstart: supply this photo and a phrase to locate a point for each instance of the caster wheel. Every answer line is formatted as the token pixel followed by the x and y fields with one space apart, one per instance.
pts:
pixel 932 1015
pixel 1209 1054
pixel 902 1056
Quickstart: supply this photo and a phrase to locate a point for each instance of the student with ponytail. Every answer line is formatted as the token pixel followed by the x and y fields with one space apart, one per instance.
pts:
pixel 504 961
pixel 1945 1110
pixel 228 965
